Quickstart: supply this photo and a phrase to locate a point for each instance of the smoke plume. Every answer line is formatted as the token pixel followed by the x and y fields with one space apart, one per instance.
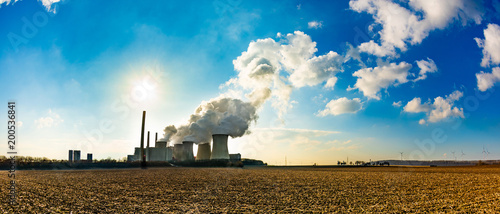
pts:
pixel 259 78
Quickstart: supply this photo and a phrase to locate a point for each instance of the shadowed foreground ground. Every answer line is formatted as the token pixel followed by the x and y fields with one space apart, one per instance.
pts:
pixel 377 189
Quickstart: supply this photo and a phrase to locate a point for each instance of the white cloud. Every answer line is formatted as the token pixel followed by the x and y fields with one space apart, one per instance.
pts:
pixel 52 119
pixel 440 109
pixel 425 67
pixel 341 106
pixel 315 24
pixel 397 104
pixel 443 109
pixel 330 83
pixel 421 122
pixel 317 70
pixel 46 3
pixel 341 145
pixel 488 80
pixel 490 45
pixel 260 67
pixel 371 80
pixel 338 142
pixel 300 131
pixel 401 25
pixel 375 49
pixel 416 106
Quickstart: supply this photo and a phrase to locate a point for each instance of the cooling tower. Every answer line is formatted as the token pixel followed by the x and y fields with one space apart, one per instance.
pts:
pixel 203 152
pixel 219 150
pixel 188 151
pixel 161 144
pixel 178 151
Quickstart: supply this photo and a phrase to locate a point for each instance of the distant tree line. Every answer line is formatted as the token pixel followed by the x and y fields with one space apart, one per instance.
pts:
pixel 28 162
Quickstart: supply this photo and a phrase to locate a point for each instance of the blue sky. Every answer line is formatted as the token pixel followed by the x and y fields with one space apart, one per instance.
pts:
pixel 363 79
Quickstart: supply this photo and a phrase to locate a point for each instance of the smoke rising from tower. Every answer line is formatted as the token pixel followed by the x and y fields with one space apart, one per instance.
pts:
pixel 259 77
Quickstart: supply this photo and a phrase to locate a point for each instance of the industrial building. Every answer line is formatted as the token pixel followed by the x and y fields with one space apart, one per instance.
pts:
pixel 76 155
pixel 235 157
pixel 70 158
pixel 158 153
pixel 183 152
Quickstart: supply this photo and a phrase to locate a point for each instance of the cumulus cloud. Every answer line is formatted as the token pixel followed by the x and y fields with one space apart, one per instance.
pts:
pixel 491 56
pixel 426 66
pixel 341 106
pixel 490 45
pixel 51 120
pixel 375 49
pixel 488 80
pixel 397 104
pixel 440 109
pixel 271 69
pixel 315 24
pixel 416 106
pixel 371 80
pixel 401 25
pixel 421 122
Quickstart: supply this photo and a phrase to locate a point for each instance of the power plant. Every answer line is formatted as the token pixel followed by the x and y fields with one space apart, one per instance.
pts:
pixel 178 152
pixel 75 155
pixel 187 151
pixel 204 152
pixel 219 147
pixel 182 153
pixel 70 158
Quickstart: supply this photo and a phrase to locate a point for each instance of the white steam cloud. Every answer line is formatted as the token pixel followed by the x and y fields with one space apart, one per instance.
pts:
pixel 218 116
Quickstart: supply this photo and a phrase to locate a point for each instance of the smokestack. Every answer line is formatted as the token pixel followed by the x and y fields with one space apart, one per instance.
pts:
pixel 178 152
pixel 188 151
pixel 148 140
pixel 203 152
pixel 219 150
pixel 143 156
pixel 156 137
pixel 148 155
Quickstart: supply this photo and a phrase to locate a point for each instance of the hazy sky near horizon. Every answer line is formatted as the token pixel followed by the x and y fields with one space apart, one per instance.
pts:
pixel 364 79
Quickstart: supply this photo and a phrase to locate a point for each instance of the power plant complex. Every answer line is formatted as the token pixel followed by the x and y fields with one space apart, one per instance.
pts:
pixel 183 152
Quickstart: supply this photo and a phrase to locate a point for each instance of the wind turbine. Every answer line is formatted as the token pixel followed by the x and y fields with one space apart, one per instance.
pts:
pixel 462 155
pixel 453 152
pixel 484 153
pixel 401 155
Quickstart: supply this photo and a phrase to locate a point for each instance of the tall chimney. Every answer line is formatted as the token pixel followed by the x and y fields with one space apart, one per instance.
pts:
pixel 148 155
pixel 156 137
pixel 188 151
pixel 203 152
pixel 148 141
pixel 219 150
pixel 143 156
pixel 178 152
